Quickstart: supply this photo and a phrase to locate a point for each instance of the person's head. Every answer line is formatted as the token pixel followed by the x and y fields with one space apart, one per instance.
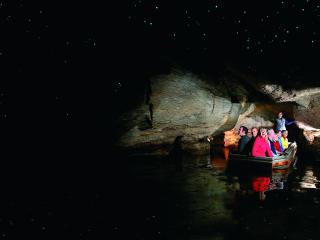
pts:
pixel 243 131
pixel 285 133
pixel 279 133
pixel 271 135
pixel 280 114
pixel 263 133
pixel 254 131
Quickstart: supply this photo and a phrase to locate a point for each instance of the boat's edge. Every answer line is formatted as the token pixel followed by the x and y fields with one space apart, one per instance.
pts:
pixel 289 157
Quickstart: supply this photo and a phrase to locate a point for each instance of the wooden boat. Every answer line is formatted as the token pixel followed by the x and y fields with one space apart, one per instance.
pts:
pixel 285 160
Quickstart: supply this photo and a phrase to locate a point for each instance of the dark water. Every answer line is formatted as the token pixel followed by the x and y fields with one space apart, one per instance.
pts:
pixel 70 188
pixel 162 201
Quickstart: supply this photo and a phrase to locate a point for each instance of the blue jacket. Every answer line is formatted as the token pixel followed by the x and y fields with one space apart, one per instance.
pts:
pixel 272 148
pixel 280 143
pixel 281 124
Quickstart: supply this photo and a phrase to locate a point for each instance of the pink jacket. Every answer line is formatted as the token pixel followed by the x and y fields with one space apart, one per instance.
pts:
pixel 261 147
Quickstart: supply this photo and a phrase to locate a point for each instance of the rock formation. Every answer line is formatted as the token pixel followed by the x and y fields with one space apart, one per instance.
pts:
pixel 184 104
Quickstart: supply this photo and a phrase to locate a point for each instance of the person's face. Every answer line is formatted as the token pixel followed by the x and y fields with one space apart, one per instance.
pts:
pixel 279 134
pixel 285 134
pixel 280 115
pixel 271 135
pixel 240 132
pixel 254 132
pixel 263 133
pixel 275 137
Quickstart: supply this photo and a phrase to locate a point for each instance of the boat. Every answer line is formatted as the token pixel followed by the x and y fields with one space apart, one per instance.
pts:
pixel 285 160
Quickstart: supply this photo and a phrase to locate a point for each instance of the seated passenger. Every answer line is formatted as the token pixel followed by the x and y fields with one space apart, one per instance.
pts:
pixel 277 144
pixel 261 145
pixel 284 139
pixel 254 134
pixel 271 139
pixel 243 131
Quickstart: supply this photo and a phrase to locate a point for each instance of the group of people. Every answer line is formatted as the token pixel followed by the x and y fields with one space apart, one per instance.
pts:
pixel 264 142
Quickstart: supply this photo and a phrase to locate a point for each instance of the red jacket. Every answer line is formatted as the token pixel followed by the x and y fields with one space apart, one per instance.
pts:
pixel 276 144
pixel 261 147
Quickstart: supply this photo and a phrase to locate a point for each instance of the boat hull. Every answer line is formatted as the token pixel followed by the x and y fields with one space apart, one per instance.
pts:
pixel 287 159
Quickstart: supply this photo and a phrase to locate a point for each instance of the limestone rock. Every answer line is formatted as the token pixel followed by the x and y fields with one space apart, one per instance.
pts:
pixel 182 105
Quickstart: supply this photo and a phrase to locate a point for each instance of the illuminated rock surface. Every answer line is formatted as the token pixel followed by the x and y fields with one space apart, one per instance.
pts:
pixel 181 103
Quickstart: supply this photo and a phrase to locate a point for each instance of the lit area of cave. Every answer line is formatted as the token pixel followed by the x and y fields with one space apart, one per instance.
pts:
pixel 177 139
pixel 184 83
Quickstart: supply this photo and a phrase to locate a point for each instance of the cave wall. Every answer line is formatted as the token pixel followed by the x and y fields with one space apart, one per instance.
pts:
pixel 307 117
pixel 180 103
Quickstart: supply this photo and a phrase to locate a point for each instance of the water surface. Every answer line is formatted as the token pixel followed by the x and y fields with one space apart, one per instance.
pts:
pixel 166 199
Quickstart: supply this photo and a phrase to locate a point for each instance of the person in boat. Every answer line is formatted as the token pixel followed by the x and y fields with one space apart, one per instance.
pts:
pixel 244 139
pixel 261 146
pixel 284 139
pixel 254 134
pixel 272 137
pixel 277 144
pixel 281 122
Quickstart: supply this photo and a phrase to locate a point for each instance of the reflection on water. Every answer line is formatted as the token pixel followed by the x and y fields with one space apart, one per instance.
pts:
pixel 260 181
pixel 194 202
pixel 307 180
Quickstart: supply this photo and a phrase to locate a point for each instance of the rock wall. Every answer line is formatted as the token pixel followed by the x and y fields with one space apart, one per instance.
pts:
pixel 307 118
pixel 181 104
